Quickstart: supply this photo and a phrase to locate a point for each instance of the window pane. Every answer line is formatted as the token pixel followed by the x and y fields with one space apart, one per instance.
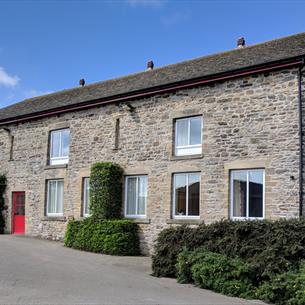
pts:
pixel 86 196
pixel 193 197
pixel 52 197
pixel 65 142
pixel 131 195
pixel 60 197
pixel 182 132
pixel 142 189
pixel 55 144
pixel 239 194
pixel 256 184
pixel 180 194
pixel 195 131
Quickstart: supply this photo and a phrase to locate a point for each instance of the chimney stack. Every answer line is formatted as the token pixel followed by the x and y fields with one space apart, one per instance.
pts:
pixel 150 65
pixel 241 42
pixel 82 82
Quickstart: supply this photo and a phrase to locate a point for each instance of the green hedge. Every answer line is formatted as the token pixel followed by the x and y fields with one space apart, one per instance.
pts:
pixel 2 202
pixel 284 289
pixel 272 247
pixel 106 190
pixel 115 237
pixel 217 272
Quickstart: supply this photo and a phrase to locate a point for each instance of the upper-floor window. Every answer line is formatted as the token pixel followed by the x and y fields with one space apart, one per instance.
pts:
pixel 59 146
pixel 86 197
pixel 135 196
pixel 55 197
pixel 186 195
pixel 247 194
pixel 188 136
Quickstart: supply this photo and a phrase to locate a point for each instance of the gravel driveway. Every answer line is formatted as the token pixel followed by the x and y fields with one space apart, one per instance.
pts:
pixel 34 271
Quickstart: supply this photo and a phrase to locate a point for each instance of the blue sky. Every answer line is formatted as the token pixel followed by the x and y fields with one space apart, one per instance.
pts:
pixel 46 46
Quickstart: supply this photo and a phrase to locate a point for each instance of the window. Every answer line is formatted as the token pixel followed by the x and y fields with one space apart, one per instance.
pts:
pixel 186 195
pixel 59 146
pixel 135 196
pixel 188 136
pixel 55 197
pixel 86 198
pixel 247 194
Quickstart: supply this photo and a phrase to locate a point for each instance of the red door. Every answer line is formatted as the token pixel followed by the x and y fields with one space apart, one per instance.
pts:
pixel 18 213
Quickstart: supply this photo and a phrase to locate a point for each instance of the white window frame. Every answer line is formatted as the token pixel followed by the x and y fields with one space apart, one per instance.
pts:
pixel 126 192
pixel 85 190
pixel 247 202
pixel 48 190
pixel 187 195
pixel 197 147
pixel 62 159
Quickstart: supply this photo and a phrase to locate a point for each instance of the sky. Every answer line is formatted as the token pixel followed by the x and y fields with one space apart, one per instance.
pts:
pixel 47 46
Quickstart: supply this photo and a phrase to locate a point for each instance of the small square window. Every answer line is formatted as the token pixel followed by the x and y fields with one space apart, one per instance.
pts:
pixel 247 194
pixel 55 197
pixel 86 197
pixel 135 196
pixel 186 195
pixel 188 133
pixel 59 146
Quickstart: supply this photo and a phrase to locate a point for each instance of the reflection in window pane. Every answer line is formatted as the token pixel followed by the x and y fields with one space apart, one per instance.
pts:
pixel 239 194
pixel 55 146
pixel 182 132
pixel 256 181
pixel 86 196
pixel 131 195
pixel 193 196
pixel 60 196
pixel 180 194
pixel 142 195
pixel 195 132
pixel 65 143
pixel 52 197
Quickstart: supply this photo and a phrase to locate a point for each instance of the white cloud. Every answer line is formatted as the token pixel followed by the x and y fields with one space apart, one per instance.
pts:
pixel 151 3
pixel 8 80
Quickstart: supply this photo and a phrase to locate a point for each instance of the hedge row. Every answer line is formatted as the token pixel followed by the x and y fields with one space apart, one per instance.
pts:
pixel 234 277
pixel 272 247
pixel 115 237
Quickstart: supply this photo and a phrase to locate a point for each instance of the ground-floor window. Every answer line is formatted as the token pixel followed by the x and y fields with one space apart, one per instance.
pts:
pixel 55 197
pixel 86 197
pixel 135 196
pixel 186 194
pixel 247 193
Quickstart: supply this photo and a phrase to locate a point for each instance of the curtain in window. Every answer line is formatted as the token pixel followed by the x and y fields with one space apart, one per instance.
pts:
pixel 131 195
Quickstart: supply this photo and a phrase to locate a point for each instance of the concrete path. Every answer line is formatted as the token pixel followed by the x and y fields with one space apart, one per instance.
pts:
pixel 34 271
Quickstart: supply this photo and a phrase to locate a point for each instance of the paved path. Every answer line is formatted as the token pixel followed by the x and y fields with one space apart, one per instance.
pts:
pixel 34 271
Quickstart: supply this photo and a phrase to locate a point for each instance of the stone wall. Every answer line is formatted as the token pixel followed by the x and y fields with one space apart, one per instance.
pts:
pixel 248 122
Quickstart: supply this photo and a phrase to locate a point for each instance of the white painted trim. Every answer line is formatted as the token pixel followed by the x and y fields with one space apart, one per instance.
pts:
pixel 192 149
pixel 126 192
pixel 187 191
pixel 48 190
pixel 61 159
pixel 247 202
pixel 84 196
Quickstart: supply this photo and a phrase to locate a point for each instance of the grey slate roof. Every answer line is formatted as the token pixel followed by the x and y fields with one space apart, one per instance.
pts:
pixel 255 55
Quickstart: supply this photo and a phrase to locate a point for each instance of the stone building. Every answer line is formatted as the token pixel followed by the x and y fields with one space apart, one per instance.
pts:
pixel 206 139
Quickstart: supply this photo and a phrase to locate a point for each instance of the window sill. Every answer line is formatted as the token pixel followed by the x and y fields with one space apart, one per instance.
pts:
pixel 175 158
pixel 139 220
pixel 56 166
pixel 184 221
pixel 54 218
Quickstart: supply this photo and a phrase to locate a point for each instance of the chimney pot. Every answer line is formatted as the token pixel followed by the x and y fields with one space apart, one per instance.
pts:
pixel 241 42
pixel 150 65
pixel 82 82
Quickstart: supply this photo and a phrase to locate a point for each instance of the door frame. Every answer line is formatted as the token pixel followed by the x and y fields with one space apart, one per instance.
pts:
pixel 13 210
